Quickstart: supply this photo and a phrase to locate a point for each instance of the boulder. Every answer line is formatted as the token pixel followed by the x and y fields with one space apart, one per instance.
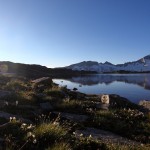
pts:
pixel 100 105
pixel 42 83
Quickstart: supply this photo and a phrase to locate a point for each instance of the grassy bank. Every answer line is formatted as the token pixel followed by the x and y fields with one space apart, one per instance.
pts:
pixel 46 116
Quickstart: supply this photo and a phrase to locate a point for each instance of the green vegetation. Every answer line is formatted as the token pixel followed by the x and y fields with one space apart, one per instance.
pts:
pixel 26 124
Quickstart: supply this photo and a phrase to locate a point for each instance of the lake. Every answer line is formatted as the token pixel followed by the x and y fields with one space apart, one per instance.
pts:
pixel 134 87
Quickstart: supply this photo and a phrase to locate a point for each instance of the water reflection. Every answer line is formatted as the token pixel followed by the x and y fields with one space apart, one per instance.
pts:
pixel 134 87
pixel 138 79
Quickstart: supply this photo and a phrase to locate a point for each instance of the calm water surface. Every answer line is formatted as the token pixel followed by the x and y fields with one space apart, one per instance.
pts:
pixel 134 87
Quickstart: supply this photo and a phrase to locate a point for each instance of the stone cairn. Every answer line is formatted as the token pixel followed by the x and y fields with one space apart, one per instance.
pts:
pixel 104 102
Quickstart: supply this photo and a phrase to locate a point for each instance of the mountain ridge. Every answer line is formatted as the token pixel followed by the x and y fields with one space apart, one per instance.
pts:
pixel 140 65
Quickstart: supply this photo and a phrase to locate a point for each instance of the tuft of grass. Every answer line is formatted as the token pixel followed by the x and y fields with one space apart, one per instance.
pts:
pixel 72 106
pixel 48 133
pixel 60 146
pixel 49 129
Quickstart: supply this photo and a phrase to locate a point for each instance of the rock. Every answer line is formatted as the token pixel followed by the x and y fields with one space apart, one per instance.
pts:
pixel 46 106
pixel 41 83
pixel 105 99
pixel 8 115
pixel 102 106
pixel 41 80
pixel 145 104
pixel 105 136
pixel 74 89
pixel 73 117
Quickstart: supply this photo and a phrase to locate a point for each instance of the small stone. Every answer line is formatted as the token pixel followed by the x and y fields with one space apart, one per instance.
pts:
pixel 75 89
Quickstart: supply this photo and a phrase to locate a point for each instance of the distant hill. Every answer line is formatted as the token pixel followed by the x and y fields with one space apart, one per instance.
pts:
pixel 34 71
pixel 85 67
pixel 141 65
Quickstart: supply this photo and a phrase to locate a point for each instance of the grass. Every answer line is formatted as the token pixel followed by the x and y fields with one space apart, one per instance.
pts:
pixel 72 106
pixel 60 146
pixel 55 93
pixel 55 133
pixel 126 122
pixel 48 133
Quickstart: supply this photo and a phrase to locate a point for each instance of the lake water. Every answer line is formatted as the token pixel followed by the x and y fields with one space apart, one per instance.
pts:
pixel 134 87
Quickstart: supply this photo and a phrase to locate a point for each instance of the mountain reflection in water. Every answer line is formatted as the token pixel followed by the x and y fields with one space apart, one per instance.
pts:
pixel 135 87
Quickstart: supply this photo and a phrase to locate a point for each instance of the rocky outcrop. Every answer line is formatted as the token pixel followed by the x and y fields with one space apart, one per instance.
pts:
pixel 105 136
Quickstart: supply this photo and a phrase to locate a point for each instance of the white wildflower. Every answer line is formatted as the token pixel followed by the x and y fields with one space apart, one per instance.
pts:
pixel 6 103
pixel 34 141
pixel 29 134
pixel 23 125
pixel 30 126
pixel 16 103
pixel 14 118
pixel 10 119
pixel 56 123
pixel 33 135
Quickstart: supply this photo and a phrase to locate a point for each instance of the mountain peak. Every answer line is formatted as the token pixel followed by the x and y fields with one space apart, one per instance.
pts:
pixel 108 63
pixel 88 63
pixel 142 65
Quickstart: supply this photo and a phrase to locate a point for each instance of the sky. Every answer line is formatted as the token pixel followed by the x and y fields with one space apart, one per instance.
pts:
pixel 57 33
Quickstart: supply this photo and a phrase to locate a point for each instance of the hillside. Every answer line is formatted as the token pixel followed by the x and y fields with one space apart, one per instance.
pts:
pixel 34 71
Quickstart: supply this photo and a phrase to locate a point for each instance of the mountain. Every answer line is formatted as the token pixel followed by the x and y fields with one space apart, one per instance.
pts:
pixel 141 65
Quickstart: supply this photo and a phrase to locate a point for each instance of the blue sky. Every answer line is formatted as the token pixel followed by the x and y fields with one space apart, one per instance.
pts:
pixel 58 33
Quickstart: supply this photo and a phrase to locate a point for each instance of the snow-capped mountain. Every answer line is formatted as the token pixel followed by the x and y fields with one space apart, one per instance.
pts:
pixel 140 65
